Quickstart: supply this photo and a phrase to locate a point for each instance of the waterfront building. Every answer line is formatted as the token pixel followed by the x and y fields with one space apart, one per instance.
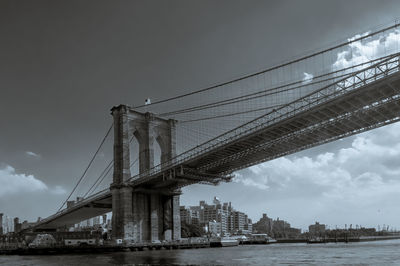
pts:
pixel 190 215
pixel 17 225
pixel 216 213
pixel 196 214
pixel 88 223
pixel 227 207
pixel 8 224
pixel 248 226
pixel 280 225
pixel 264 225
pixel 275 228
pixel 214 228
pixel 317 229
pixel 239 220
pixel 96 220
pixel 230 221
pixel 94 223
pixel 184 212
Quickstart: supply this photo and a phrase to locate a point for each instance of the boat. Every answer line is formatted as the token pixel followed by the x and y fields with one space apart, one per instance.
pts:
pixel 258 239
pixel 223 242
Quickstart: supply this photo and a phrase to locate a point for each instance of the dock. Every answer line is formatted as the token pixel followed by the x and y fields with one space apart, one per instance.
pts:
pixel 64 249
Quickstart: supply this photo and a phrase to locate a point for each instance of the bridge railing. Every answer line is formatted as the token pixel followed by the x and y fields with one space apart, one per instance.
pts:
pixel 354 80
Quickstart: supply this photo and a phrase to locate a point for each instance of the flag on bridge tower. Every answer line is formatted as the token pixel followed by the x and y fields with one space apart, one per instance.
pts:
pixel 147 101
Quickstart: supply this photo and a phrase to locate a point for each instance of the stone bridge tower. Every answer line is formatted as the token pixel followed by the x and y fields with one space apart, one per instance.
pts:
pixel 141 214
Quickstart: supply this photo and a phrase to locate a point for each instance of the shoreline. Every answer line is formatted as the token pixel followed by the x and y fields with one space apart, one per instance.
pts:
pixel 119 248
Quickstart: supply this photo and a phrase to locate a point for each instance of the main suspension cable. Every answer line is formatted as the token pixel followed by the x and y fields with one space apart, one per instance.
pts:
pixel 349 41
pixel 270 91
pixel 87 168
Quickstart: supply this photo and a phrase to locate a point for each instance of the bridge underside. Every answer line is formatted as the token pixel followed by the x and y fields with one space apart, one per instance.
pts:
pixel 368 107
pixel 80 212
pixel 178 177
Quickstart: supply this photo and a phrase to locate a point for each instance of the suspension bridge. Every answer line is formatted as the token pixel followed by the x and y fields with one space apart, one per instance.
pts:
pixel 206 135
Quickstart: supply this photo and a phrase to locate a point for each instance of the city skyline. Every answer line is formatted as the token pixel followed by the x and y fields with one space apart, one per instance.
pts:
pixel 65 65
pixel 8 221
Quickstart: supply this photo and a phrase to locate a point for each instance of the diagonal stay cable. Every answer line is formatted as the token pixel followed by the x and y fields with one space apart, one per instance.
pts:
pixel 103 174
pixel 87 168
pixel 231 114
pixel 273 90
pixel 106 174
pixel 349 41
pixel 204 146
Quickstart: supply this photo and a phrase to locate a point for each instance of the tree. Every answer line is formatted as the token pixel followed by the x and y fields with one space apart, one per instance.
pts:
pixel 191 230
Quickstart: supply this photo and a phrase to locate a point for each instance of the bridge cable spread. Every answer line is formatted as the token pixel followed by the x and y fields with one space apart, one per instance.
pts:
pixel 349 41
pixel 87 168
pixel 104 174
pixel 101 177
pixel 270 91
pixel 343 80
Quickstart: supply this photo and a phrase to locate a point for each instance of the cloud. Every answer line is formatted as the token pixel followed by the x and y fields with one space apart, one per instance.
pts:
pixel 356 181
pixel 27 197
pixel 12 183
pixel 250 182
pixel 307 77
pixel 350 183
pixel 58 190
pixel 31 153
pixel 357 184
pixel 367 49
pixel 368 168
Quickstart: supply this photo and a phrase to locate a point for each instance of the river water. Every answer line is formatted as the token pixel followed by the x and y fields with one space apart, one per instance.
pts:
pixel 363 253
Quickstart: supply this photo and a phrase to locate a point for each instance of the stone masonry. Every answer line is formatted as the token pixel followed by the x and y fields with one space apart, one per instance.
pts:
pixel 150 215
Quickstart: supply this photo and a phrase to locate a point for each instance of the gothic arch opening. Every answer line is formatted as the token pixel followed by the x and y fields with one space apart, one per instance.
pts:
pixel 157 153
pixel 134 155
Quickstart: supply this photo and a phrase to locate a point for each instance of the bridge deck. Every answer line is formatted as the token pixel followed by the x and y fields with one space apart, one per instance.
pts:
pixel 94 206
pixel 365 108
pixel 366 99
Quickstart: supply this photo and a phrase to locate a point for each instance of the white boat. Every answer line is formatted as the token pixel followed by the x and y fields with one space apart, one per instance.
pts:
pixel 223 242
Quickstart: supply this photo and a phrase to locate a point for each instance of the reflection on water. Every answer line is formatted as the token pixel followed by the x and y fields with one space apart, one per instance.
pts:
pixel 365 253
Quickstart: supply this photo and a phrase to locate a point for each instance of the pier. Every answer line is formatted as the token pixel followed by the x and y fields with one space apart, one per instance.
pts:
pixel 20 249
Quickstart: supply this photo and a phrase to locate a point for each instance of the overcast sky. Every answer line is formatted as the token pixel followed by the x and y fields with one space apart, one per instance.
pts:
pixel 64 64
